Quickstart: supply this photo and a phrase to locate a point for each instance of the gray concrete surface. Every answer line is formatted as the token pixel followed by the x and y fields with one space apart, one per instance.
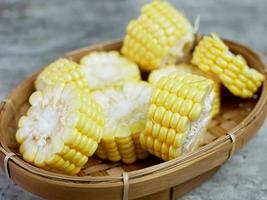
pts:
pixel 34 32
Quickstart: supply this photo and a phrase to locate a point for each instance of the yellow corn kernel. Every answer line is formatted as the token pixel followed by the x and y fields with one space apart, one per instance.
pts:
pixel 61 71
pixel 155 130
pixel 150 142
pixel 53 134
pixel 173 130
pixel 126 109
pixel 232 70
pixel 161 35
pixel 108 69
pixel 163 134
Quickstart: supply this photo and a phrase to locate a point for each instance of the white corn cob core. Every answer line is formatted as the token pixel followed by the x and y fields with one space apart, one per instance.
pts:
pixel 107 69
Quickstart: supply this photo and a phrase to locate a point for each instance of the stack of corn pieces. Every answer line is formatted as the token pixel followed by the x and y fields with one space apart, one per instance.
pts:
pixel 126 114
pixel 101 106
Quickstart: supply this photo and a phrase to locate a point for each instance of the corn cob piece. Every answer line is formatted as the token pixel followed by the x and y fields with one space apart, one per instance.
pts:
pixel 61 129
pixel 178 114
pixel 126 112
pixel 156 75
pixel 212 56
pixel 103 69
pixel 62 70
pixel 160 36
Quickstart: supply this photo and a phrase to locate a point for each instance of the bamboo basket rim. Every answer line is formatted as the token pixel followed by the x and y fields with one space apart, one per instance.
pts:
pixel 158 169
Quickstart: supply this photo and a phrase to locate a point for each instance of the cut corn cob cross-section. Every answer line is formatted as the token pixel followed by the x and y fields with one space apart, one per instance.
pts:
pixel 211 55
pixel 155 76
pixel 161 35
pixel 61 70
pixel 178 114
pixel 107 69
pixel 61 129
pixel 126 113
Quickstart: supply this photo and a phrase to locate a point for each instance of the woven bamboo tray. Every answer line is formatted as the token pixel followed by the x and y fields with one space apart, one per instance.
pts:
pixel 152 178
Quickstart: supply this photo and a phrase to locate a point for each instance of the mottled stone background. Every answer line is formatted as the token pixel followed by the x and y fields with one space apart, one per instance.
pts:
pixel 34 32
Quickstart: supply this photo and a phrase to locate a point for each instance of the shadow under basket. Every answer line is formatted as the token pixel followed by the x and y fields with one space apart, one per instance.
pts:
pixel 151 178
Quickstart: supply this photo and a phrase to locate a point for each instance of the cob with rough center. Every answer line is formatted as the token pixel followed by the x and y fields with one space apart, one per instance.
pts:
pixel 61 129
pixel 156 75
pixel 126 113
pixel 160 36
pixel 211 55
pixel 63 71
pixel 107 69
pixel 179 111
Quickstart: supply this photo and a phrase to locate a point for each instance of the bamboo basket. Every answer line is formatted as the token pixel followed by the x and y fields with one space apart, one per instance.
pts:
pixel 151 178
